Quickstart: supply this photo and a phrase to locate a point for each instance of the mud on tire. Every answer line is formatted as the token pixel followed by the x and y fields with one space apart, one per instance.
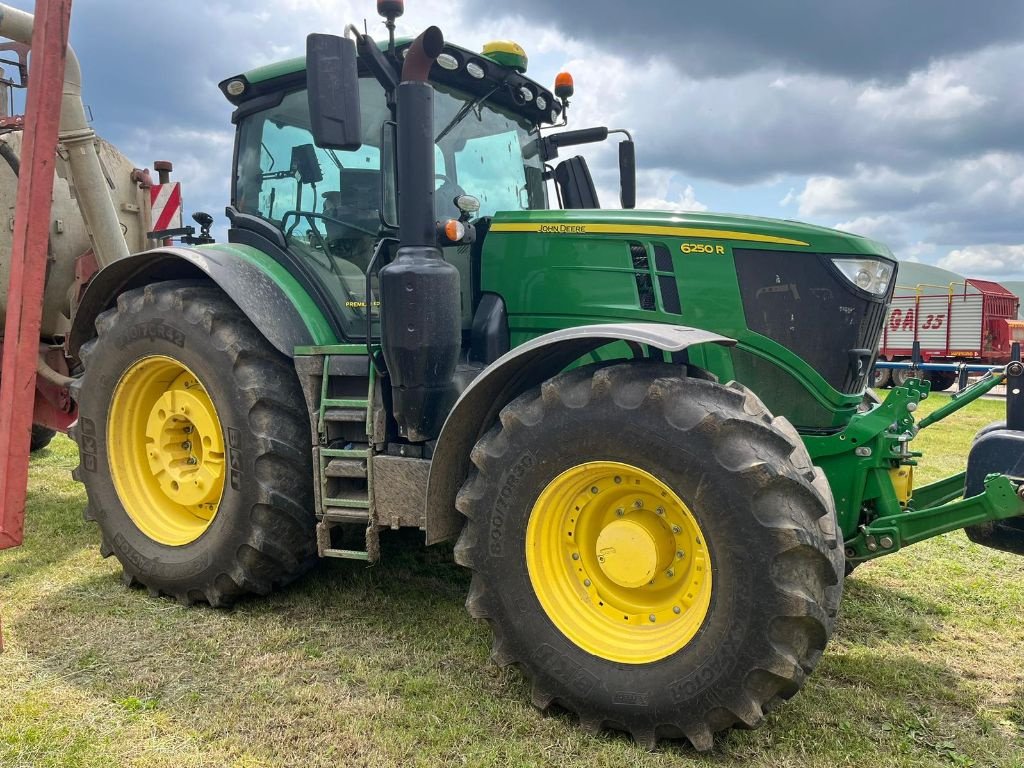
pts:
pixel 766 513
pixel 262 535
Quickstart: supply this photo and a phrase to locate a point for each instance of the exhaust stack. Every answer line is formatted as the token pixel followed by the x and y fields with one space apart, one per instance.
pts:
pixel 80 141
pixel 421 329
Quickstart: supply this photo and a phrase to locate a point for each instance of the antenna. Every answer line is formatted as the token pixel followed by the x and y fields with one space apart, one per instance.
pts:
pixel 390 10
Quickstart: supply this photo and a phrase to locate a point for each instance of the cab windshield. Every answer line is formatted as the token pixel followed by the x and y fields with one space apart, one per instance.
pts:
pixel 329 204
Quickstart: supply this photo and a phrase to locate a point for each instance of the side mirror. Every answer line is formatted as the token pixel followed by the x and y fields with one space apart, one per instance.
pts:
pixel 332 81
pixel 627 174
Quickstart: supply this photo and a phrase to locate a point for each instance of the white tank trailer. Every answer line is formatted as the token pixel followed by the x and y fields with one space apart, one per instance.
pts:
pixel 69 237
pixel 101 212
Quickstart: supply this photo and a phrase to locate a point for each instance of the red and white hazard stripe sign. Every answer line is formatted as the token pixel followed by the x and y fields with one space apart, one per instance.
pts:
pixel 166 203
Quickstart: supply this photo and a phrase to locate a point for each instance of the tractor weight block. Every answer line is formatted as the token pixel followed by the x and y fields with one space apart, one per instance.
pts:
pixel 1000 451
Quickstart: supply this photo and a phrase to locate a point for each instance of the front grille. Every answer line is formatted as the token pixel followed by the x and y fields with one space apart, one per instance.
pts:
pixel 802 301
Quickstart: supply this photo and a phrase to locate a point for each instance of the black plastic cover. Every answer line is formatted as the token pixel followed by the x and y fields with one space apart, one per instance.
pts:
pixel 803 302
pixel 1002 451
pixel 575 184
pixel 421 334
pixel 489 338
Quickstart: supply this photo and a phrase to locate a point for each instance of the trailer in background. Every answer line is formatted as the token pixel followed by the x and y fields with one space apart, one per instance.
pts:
pixel 970 322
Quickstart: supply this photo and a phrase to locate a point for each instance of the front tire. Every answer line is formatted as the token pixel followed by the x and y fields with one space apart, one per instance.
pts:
pixel 656 552
pixel 194 446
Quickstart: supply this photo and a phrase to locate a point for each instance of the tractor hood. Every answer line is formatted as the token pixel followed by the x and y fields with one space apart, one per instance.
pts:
pixel 737 230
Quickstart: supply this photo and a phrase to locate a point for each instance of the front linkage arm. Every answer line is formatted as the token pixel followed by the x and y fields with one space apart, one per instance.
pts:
pixel 870 468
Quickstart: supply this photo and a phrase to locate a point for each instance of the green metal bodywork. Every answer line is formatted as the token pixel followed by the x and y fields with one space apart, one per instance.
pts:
pixel 559 269
pixel 312 314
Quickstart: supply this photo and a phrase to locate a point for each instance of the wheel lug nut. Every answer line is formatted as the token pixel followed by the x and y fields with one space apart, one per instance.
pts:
pixel 677 610
pixel 676 529
pixel 186 446
pixel 188 430
pixel 679 554
pixel 593 489
pixel 660 510
pixel 639 503
pixel 587 582
pixel 193 460
pixel 575 555
pixel 652 617
pixel 620 511
pixel 670 573
pixel 618 479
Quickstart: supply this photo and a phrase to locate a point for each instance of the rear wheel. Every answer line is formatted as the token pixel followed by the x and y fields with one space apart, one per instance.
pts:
pixel 194 447
pixel 656 552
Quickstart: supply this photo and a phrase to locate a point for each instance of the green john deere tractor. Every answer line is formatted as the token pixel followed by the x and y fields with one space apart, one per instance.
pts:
pixel 647 433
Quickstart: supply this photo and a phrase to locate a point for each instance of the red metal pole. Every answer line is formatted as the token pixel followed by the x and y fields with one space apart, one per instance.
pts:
pixel 28 260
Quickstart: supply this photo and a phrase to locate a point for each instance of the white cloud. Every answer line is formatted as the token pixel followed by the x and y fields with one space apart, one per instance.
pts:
pixel 1000 261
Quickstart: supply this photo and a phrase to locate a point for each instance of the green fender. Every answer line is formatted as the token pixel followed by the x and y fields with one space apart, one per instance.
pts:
pixel 513 373
pixel 269 296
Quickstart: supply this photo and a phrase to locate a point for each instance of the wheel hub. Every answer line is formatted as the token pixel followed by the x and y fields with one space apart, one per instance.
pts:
pixel 166 450
pixel 618 562
pixel 627 552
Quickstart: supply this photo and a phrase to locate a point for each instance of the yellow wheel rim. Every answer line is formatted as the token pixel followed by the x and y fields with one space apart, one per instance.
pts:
pixel 166 450
pixel 618 562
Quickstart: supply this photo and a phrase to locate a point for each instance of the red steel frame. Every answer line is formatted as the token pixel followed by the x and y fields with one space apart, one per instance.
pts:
pixel 28 260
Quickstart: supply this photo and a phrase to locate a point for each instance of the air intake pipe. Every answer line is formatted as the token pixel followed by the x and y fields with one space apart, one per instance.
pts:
pixel 421 328
pixel 91 189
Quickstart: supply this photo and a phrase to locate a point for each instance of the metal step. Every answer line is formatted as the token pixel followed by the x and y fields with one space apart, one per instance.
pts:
pixel 324 548
pixel 345 468
pixel 345 402
pixel 346 516
pixel 351 415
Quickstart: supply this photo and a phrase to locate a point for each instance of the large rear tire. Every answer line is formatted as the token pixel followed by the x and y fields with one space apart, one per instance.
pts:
pixel 194 446
pixel 655 552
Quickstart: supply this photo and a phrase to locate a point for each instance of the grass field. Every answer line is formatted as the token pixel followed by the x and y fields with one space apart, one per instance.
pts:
pixel 374 666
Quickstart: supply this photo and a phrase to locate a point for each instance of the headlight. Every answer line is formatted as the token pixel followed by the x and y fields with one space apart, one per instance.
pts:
pixel 871 275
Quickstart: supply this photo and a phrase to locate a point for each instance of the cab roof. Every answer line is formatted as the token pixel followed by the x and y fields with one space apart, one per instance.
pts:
pixel 507 87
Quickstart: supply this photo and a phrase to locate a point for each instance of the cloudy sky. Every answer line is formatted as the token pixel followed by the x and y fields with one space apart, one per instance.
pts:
pixel 901 121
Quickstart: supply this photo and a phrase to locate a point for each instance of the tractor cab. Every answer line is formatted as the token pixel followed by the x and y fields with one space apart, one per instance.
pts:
pixel 327 209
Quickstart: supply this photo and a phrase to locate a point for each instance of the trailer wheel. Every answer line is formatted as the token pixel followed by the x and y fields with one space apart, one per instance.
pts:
pixel 881 378
pixel 655 552
pixel 901 376
pixel 194 452
pixel 41 437
pixel 941 380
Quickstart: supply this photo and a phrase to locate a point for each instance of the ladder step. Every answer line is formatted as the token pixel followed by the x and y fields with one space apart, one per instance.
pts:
pixel 347 554
pixel 346 468
pixel 346 517
pixel 345 453
pixel 348 503
pixel 346 402
pixel 353 415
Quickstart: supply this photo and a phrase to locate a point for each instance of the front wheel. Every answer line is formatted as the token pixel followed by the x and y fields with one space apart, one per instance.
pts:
pixel 656 552
pixel 194 447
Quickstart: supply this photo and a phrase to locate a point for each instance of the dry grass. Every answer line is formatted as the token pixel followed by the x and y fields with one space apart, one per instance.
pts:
pixel 381 666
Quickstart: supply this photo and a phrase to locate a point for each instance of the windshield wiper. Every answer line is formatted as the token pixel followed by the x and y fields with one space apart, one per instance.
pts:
pixel 461 114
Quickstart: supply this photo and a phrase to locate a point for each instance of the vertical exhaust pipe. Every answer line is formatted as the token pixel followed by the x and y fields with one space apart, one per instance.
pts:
pixel 421 329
